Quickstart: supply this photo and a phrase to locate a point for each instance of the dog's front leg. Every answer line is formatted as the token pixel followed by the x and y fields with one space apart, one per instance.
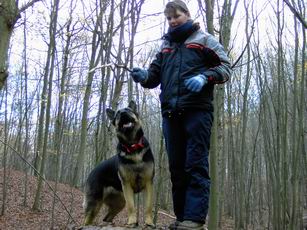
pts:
pixel 129 197
pixel 148 204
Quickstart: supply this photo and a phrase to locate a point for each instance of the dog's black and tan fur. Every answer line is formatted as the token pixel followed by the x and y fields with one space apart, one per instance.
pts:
pixel 114 181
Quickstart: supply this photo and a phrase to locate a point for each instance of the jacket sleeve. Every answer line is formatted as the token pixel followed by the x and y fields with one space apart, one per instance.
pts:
pixel 220 68
pixel 154 70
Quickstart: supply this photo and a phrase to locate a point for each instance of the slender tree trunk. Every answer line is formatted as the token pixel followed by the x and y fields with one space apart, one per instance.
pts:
pixel 58 130
pixel 160 179
pixel 102 139
pixel 119 74
pixel 209 4
pixel 298 160
pixel 278 210
pixel 226 21
pixel 43 100
pixel 4 162
pixel 52 33
pixel 26 114
pixel 86 102
pixel 243 149
pixel 213 201
pixel 225 26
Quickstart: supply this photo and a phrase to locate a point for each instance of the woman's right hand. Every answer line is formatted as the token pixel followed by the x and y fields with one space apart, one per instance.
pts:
pixel 139 75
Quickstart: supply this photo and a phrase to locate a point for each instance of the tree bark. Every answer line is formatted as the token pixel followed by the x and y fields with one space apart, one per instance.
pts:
pixel 9 14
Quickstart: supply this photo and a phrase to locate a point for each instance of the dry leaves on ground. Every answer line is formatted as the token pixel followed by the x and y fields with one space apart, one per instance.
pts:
pixel 20 216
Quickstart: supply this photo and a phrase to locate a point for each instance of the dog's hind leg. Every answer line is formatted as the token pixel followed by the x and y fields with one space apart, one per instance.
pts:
pixel 115 203
pixel 92 208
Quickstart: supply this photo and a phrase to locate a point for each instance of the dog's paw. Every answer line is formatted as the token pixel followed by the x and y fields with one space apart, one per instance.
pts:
pixel 149 226
pixel 106 223
pixel 85 227
pixel 132 225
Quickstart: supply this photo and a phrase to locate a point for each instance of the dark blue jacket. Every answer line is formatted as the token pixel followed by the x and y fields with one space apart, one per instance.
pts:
pixel 200 53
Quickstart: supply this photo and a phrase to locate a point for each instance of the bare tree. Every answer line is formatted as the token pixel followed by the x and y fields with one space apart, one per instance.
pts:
pixel 5 151
pixel 258 153
pixel 9 14
pixel 49 70
pixel 95 55
pixel 26 113
pixel 225 28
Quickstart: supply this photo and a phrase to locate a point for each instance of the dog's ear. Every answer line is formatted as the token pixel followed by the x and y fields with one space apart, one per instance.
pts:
pixel 110 114
pixel 132 105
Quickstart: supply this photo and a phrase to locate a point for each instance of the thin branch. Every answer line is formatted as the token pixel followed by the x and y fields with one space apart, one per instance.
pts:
pixel 296 13
pixel 26 6
pixel 250 36
pixel 235 9
pixel 166 214
pixel 243 64
pixel 241 55
pixel 99 67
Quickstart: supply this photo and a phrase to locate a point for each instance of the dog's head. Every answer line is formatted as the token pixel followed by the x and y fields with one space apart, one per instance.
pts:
pixel 127 123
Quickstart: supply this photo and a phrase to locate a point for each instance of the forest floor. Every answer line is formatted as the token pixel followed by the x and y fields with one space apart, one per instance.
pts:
pixel 19 214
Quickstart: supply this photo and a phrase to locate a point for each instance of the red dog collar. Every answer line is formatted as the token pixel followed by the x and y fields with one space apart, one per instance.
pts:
pixel 134 147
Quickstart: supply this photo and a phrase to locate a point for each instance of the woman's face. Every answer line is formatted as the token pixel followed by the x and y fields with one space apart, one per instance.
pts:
pixel 178 18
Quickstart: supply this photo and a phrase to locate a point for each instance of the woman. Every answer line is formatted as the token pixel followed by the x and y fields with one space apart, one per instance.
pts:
pixel 188 65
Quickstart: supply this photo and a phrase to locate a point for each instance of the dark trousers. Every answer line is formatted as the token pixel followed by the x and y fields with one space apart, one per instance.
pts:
pixel 187 138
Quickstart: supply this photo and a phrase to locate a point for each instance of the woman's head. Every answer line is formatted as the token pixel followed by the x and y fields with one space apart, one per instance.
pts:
pixel 176 13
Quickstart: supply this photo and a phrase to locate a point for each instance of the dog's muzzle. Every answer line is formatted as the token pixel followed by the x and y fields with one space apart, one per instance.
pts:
pixel 126 122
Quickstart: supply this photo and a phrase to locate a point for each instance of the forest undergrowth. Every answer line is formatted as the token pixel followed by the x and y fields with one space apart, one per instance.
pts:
pixel 19 214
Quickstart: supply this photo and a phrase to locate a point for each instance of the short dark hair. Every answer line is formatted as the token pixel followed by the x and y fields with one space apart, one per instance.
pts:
pixel 172 6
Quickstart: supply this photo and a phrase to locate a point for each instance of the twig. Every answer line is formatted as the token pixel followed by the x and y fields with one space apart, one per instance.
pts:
pixel 166 214
pixel 26 6
pixel 97 67
pixel 110 65
pixel 123 66
pixel 36 171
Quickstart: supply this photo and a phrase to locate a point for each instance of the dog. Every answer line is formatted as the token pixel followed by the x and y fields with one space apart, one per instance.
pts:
pixel 114 181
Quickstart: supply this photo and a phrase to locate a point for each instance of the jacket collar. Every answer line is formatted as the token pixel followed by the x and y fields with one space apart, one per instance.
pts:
pixel 181 33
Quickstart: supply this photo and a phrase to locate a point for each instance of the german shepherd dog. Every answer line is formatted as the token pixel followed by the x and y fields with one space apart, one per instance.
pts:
pixel 115 181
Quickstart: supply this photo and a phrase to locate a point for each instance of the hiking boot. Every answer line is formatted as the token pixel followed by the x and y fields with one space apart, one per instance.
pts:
pixel 190 225
pixel 173 226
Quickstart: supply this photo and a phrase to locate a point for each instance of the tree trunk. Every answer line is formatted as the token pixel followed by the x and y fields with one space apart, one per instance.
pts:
pixel 86 102
pixel 26 115
pixel 4 161
pixel 8 17
pixel 101 137
pixel 58 129
pixel 160 179
pixel 298 160
pixel 243 155
pixel 52 33
pixel 9 14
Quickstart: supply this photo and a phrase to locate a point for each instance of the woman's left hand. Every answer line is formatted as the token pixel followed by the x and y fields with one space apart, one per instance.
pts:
pixel 196 83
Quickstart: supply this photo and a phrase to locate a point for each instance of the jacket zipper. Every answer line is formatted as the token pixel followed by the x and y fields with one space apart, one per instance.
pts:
pixel 178 76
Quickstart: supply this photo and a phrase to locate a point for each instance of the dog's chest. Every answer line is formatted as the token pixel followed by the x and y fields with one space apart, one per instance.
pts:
pixel 136 158
pixel 136 175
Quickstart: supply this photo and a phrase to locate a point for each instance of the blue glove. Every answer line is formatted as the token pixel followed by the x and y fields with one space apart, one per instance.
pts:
pixel 196 83
pixel 139 75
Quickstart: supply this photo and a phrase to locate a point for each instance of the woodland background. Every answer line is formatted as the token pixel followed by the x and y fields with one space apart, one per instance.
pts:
pixel 58 76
